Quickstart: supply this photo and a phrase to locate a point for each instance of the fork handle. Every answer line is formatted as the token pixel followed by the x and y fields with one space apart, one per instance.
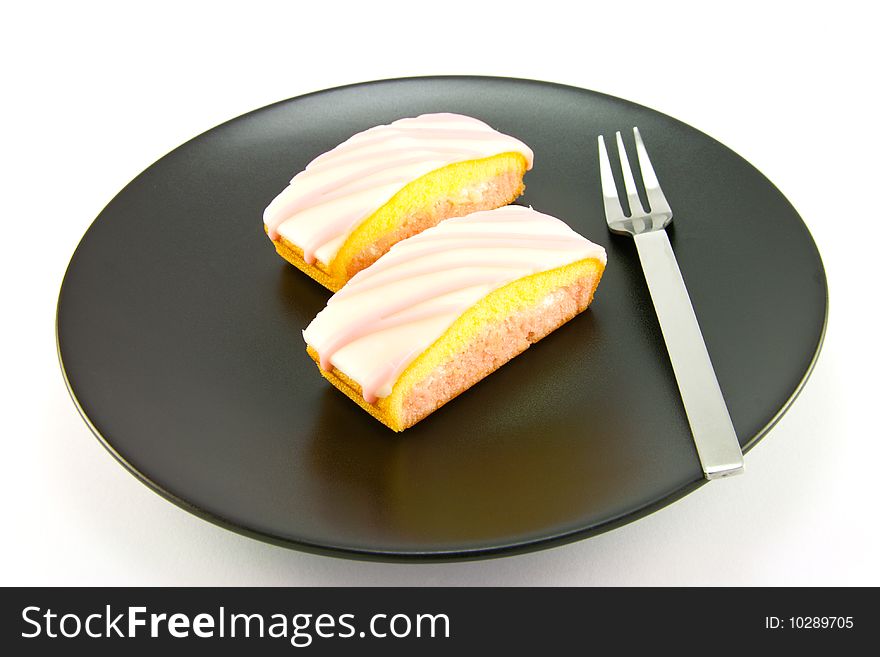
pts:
pixel 713 432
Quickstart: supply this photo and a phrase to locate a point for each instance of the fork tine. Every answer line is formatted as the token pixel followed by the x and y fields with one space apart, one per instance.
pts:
pixel 656 199
pixel 632 194
pixel 613 209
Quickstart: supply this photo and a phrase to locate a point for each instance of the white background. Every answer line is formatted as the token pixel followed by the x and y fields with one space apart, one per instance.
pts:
pixel 93 93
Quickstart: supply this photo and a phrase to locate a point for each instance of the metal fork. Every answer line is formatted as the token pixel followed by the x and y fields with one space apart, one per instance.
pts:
pixel 713 432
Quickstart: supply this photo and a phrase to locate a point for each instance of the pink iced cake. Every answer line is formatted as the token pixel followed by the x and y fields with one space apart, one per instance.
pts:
pixel 351 204
pixel 447 307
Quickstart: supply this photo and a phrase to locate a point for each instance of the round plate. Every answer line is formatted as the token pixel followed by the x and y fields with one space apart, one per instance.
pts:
pixel 179 335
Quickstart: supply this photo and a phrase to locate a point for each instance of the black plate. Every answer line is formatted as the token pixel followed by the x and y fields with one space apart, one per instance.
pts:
pixel 179 336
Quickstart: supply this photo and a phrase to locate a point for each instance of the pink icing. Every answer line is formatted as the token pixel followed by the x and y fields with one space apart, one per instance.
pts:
pixel 391 372
pixel 339 187
pixel 325 233
pixel 383 317
pixel 456 243
pixel 411 147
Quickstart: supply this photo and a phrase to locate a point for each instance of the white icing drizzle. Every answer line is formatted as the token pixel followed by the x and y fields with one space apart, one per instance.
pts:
pixel 389 313
pixel 324 203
